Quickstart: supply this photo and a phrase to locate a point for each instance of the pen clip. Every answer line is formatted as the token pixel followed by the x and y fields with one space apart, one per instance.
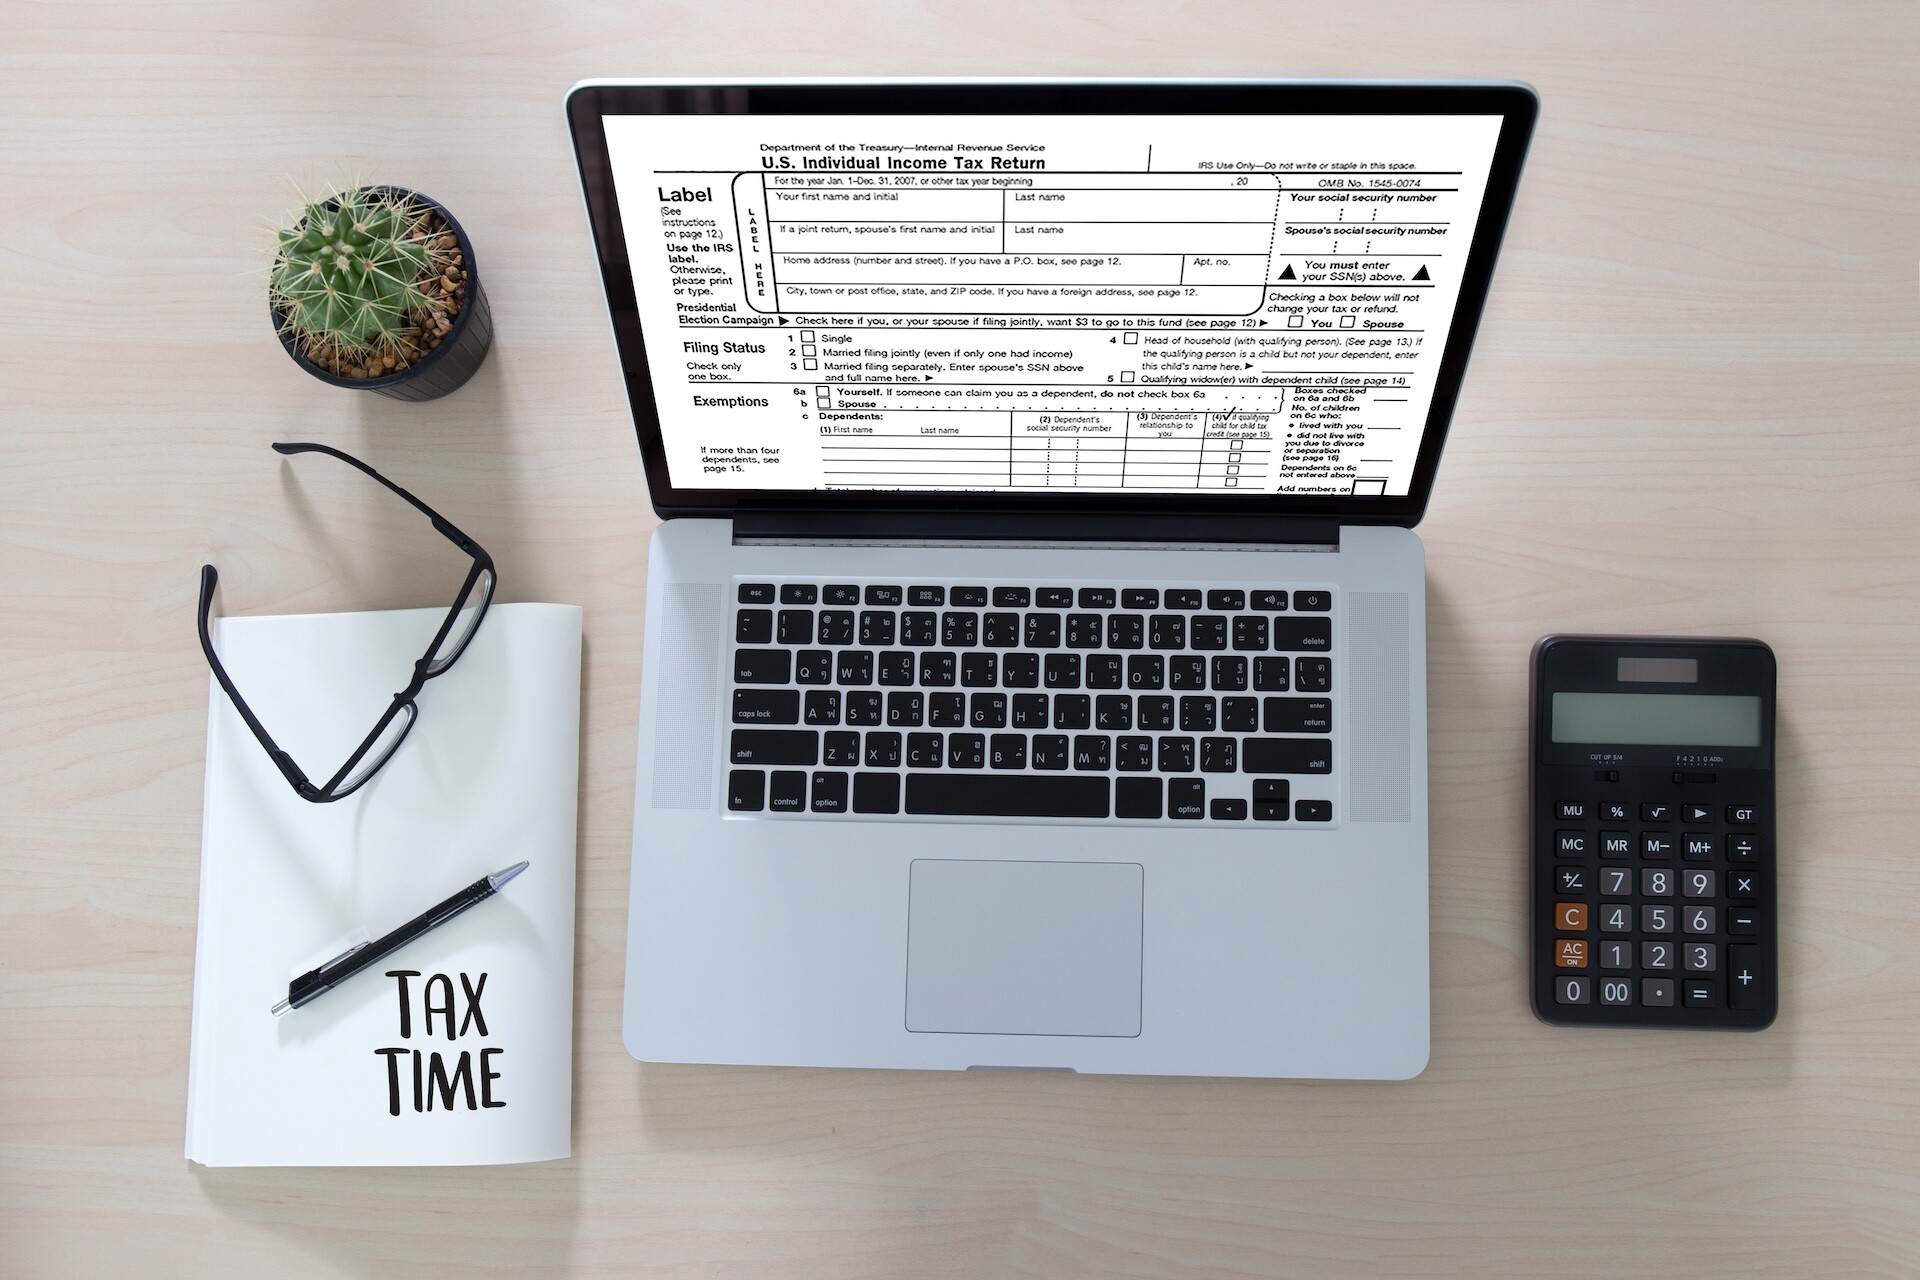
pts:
pixel 337 948
pixel 358 946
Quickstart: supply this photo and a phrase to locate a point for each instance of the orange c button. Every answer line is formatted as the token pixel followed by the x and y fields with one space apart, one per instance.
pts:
pixel 1570 917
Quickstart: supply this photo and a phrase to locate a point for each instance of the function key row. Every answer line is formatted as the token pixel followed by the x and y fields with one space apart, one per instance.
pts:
pixel 954 629
pixel 1618 811
pixel 1225 600
pixel 937 668
pixel 1695 846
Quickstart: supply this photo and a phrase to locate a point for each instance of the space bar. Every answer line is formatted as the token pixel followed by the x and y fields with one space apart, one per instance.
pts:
pixel 1006 796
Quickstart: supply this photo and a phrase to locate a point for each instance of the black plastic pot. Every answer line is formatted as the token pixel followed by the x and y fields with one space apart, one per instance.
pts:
pixel 446 366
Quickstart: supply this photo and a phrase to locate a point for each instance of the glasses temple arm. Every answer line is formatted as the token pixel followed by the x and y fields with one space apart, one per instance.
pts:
pixel 209 579
pixel 440 522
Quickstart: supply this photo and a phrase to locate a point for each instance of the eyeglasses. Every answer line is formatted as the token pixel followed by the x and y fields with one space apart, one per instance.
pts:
pixel 449 642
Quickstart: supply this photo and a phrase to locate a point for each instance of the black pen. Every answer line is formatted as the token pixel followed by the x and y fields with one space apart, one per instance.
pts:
pixel 314 982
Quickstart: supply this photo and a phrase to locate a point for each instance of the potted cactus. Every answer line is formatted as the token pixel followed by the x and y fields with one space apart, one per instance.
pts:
pixel 375 288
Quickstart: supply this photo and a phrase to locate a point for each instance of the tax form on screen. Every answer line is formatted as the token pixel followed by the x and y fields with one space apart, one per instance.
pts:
pixel 1233 304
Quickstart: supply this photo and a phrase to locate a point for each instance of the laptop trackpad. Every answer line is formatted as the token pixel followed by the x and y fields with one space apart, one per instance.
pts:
pixel 1024 948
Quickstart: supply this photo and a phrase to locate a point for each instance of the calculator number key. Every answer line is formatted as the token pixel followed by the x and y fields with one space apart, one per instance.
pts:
pixel 1656 919
pixel 1656 882
pixel 1616 917
pixel 1616 991
pixel 1616 955
pixel 1699 957
pixel 1697 920
pixel 1697 883
pixel 1573 989
pixel 1656 956
pixel 1616 882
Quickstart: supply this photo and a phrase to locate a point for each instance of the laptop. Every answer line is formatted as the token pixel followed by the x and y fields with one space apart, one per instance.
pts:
pixel 1035 643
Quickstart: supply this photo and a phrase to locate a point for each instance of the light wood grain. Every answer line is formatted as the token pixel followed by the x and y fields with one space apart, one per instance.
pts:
pixel 1691 409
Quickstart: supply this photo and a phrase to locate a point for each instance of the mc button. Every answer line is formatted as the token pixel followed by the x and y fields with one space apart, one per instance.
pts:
pixel 1571 844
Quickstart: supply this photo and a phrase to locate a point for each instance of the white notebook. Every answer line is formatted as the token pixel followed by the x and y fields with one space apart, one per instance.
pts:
pixel 470 1062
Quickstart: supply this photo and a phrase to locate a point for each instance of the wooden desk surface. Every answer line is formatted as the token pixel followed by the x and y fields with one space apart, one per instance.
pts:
pixel 1691 410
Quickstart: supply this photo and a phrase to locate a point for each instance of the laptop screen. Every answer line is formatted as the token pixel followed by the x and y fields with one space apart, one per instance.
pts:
pixel 1246 306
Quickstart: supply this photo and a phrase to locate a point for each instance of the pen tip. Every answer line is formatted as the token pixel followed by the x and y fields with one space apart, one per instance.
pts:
pixel 282 1007
pixel 499 878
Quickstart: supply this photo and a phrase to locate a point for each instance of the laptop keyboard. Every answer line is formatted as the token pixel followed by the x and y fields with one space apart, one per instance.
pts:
pixel 1124 702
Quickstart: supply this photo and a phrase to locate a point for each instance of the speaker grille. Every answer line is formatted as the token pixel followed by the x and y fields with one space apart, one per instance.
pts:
pixel 1379 767
pixel 688 632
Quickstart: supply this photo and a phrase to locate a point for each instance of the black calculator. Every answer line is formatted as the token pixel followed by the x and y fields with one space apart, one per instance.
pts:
pixel 1653 854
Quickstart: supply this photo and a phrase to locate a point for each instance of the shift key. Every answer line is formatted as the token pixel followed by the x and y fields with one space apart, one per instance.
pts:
pixel 775 746
pixel 1286 755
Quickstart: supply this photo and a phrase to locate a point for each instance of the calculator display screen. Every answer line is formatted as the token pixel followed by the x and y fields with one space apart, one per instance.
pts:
pixel 1657 719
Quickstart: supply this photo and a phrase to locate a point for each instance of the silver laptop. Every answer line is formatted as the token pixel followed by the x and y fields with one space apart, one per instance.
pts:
pixel 1035 659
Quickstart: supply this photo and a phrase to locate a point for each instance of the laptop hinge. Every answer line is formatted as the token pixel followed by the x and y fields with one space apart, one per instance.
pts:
pixel 773 524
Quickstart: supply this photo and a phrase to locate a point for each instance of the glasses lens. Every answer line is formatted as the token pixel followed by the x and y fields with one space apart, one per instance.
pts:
pixel 472 607
pixel 388 740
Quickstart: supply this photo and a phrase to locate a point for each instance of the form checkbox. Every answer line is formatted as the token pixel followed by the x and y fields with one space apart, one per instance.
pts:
pixel 808 349
pixel 809 364
pixel 1132 339
pixel 1234 456
pixel 1346 322
pixel 1233 481
pixel 1233 471
pixel 806 335
pixel 1296 321
pixel 1127 376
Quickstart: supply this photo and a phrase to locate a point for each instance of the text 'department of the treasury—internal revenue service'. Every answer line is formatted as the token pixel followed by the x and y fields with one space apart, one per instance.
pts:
pixel 1106 303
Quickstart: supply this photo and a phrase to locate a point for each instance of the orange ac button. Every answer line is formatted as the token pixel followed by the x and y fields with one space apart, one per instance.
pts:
pixel 1570 917
pixel 1570 953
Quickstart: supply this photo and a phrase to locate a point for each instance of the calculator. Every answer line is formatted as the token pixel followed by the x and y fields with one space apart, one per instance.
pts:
pixel 1652 840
